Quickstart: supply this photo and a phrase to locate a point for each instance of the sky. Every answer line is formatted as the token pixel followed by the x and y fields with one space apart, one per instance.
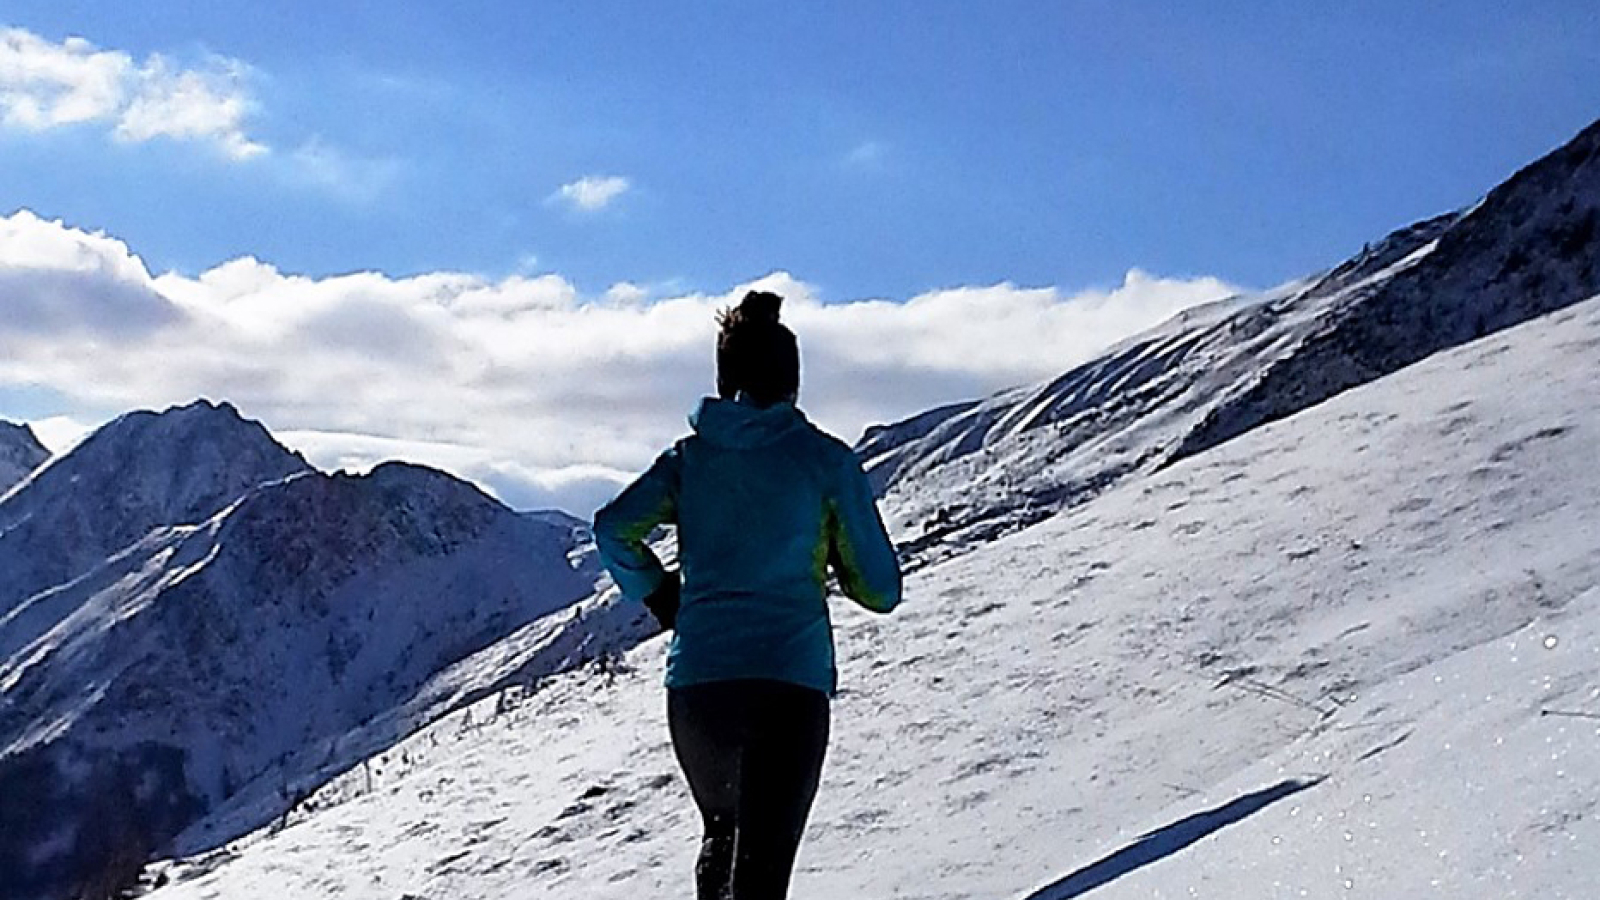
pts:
pixel 490 236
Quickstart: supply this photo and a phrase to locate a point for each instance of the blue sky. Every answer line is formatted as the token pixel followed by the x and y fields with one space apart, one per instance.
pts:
pixel 491 235
pixel 876 149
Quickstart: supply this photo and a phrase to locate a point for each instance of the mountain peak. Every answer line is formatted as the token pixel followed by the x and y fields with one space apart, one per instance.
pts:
pixel 139 471
pixel 20 454
pixel 200 417
pixel 200 432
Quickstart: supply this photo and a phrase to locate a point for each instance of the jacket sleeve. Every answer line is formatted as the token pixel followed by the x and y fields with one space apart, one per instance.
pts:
pixel 861 553
pixel 621 526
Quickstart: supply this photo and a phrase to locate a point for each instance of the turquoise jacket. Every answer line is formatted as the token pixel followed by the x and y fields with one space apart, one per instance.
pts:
pixel 764 503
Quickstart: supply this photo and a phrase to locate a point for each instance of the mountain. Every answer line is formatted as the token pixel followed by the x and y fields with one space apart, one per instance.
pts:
pixel 958 476
pixel 142 471
pixel 20 454
pixel 1349 653
pixel 237 656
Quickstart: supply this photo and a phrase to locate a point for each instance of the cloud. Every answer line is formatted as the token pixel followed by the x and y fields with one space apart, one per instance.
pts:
pixel 359 179
pixel 60 434
pixel 58 281
pixel 626 293
pixel 866 154
pixel 46 85
pixel 591 193
pixel 544 395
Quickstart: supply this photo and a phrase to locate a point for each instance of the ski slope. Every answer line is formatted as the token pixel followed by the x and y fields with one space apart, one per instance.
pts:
pixel 1353 653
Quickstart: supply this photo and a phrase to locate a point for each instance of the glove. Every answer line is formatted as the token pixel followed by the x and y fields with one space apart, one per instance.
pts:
pixel 663 601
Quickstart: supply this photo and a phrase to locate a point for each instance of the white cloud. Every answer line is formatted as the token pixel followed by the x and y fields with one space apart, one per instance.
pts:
pixel 190 105
pixel 546 396
pixel 60 434
pixel 592 192
pixel 27 241
pixel 43 85
pixel 58 280
pixel 626 293
pixel 47 85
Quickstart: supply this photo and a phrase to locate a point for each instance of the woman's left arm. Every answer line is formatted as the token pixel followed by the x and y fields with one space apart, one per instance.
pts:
pixel 621 526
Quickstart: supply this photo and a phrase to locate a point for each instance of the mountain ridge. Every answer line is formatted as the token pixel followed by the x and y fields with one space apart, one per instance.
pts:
pixel 141 471
pixel 204 658
pixel 1004 462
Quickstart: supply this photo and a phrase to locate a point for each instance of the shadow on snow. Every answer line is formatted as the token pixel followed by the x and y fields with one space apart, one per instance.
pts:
pixel 1164 842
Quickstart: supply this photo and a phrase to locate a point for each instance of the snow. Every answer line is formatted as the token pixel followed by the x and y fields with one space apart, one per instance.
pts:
pixel 1352 653
pixel 1467 778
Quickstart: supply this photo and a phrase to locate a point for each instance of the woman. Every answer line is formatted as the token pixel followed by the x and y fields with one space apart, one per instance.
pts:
pixel 764 503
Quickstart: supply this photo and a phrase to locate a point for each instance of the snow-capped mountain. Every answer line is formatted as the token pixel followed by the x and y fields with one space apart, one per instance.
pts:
pixel 234 659
pixel 1352 653
pixel 142 471
pixel 965 473
pixel 20 454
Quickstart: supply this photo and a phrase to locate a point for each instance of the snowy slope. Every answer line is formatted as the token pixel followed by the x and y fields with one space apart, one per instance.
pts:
pixel 139 472
pixel 233 664
pixel 20 454
pixel 1313 661
pixel 978 470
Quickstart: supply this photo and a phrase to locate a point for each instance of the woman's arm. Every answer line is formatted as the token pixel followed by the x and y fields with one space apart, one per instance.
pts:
pixel 861 553
pixel 621 526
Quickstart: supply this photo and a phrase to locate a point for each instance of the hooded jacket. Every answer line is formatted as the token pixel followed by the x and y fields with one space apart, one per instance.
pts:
pixel 764 503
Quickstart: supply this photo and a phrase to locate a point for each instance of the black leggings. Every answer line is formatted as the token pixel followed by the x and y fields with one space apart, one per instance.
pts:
pixel 752 751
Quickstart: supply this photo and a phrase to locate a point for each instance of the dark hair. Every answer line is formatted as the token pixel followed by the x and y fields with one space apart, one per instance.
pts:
pixel 756 353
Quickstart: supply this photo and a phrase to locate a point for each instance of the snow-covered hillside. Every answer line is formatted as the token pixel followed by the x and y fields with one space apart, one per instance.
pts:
pixel 20 454
pixel 1352 653
pixel 961 475
pixel 209 667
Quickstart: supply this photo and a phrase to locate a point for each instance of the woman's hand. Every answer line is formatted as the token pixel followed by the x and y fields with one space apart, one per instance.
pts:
pixel 663 601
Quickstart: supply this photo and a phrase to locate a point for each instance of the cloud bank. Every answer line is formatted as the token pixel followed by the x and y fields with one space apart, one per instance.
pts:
pixel 544 395
pixel 45 85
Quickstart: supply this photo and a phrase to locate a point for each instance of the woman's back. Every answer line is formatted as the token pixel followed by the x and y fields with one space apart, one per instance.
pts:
pixel 764 503
pixel 755 484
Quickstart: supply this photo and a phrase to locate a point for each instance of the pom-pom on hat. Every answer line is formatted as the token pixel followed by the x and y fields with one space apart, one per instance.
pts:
pixel 756 354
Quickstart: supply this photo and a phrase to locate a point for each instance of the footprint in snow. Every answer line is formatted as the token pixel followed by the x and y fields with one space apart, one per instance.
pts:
pixel 1511 448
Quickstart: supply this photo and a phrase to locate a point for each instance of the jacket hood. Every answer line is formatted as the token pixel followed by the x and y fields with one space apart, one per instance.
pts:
pixel 730 423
